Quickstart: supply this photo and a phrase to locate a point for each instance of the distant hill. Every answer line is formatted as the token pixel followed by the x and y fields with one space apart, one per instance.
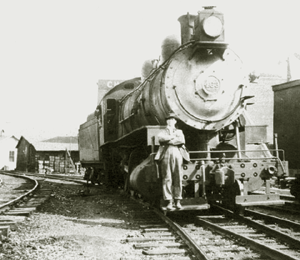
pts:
pixel 63 139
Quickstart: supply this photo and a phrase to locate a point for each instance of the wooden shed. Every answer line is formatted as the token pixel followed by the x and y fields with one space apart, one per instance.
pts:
pixel 25 156
pixel 60 157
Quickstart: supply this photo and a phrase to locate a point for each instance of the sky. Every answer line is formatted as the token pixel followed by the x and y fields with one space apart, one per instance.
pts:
pixel 52 53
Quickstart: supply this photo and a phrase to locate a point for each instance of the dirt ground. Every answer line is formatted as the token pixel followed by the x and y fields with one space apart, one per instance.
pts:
pixel 72 226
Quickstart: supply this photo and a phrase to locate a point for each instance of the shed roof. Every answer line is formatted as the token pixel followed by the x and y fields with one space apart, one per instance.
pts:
pixel 21 140
pixel 47 146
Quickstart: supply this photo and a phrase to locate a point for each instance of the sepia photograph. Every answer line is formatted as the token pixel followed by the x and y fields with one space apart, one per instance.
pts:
pixel 149 130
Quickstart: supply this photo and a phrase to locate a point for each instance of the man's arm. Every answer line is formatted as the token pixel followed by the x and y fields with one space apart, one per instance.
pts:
pixel 178 138
pixel 164 137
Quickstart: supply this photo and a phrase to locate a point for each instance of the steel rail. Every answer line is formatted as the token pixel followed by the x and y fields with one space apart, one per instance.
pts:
pixel 78 179
pixel 190 242
pixel 284 222
pixel 282 208
pixel 25 194
pixel 265 250
pixel 270 231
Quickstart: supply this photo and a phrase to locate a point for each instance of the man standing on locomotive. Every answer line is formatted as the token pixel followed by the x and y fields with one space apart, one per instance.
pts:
pixel 170 159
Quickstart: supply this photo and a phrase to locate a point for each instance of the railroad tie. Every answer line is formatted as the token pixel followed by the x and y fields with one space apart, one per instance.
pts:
pixel 150 239
pixel 4 231
pixel 166 251
pixel 151 245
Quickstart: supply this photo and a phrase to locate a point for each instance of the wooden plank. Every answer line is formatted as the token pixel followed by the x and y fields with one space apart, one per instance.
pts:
pixel 216 216
pixel 164 251
pixel 160 234
pixel 12 218
pixel 235 227
pixel 18 213
pixel 149 245
pixel 155 230
pixel 7 223
pixel 256 235
pixel 188 207
pixel 153 226
pixel 26 208
pixel 150 239
pixel 245 231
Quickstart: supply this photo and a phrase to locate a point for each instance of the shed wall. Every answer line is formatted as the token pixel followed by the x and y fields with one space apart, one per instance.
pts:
pixel 25 157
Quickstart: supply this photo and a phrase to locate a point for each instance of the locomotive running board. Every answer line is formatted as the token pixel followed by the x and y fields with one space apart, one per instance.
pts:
pixel 187 204
pixel 259 200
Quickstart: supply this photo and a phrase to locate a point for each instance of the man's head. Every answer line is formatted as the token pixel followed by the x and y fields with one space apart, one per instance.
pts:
pixel 171 119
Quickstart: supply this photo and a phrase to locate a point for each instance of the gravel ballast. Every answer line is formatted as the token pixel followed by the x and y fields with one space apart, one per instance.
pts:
pixel 73 225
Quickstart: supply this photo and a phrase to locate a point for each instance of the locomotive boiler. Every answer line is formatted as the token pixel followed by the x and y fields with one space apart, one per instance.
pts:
pixel 202 81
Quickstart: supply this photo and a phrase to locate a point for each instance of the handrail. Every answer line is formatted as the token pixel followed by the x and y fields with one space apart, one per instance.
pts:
pixel 244 151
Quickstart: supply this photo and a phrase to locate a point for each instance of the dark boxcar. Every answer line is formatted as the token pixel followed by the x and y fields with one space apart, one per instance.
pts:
pixel 287 121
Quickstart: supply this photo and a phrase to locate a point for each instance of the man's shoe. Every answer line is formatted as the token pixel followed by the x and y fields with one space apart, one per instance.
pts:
pixel 170 206
pixel 178 205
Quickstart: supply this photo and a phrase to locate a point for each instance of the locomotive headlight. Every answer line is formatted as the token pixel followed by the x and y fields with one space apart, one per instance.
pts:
pixel 213 26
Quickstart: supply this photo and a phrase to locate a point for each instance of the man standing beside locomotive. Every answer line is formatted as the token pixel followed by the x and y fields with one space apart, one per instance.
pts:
pixel 170 158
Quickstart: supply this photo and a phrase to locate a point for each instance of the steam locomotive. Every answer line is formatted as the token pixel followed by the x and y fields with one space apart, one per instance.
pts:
pixel 203 82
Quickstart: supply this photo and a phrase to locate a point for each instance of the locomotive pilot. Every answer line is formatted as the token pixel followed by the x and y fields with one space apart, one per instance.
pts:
pixel 170 157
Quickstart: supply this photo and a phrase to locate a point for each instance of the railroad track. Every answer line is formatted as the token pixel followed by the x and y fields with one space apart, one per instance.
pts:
pixel 18 199
pixel 188 235
pixel 263 234
pixel 286 227
pixel 74 178
pixel 158 235
pixel 291 206
pixel 161 238
pixel 292 209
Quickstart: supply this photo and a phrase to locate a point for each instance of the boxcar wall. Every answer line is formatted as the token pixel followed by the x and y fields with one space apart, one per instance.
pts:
pixel 287 121
pixel 261 112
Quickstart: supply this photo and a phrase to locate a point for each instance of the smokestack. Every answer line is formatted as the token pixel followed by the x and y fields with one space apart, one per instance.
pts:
pixel 187 27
